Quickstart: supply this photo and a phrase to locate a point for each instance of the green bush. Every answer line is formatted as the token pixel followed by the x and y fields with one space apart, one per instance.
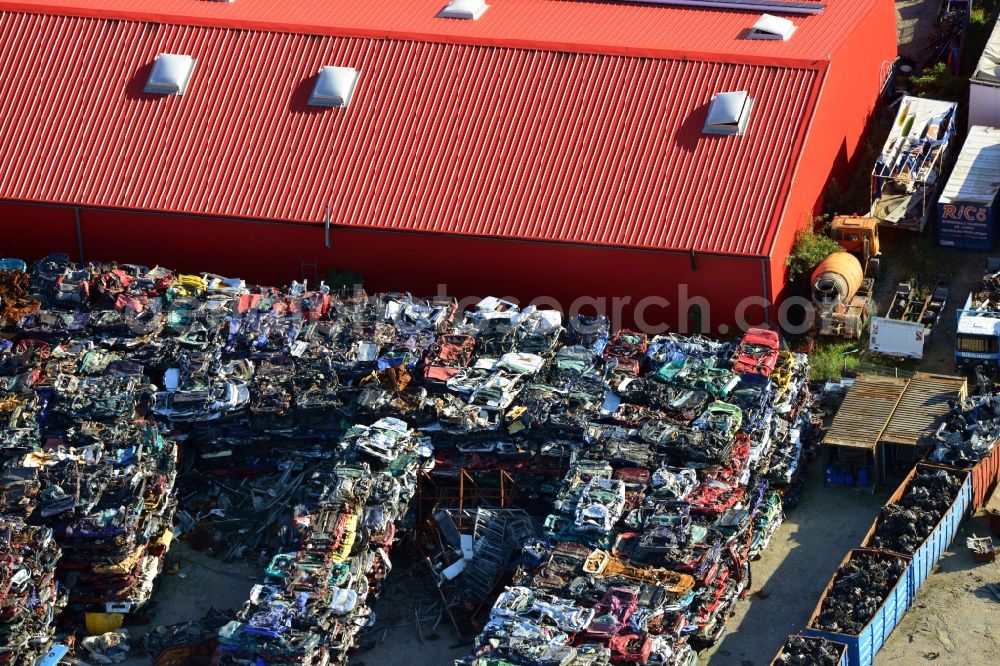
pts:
pixel 829 360
pixel 938 82
pixel 810 248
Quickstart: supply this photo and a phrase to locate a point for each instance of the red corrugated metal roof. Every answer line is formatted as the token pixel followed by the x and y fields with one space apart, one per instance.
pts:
pixel 601 26
pixel 438 137
pixel 444 138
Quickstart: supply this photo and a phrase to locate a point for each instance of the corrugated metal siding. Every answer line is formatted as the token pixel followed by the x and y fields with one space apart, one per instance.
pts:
pixel 427 264
pixel 985 475
pixel 865 412
pixel 984 478
pixel 922 408
pixel 988 67
pixel 602 26
pixel 889 410
pixel 438 137
pixel 975 177
pixel 851 89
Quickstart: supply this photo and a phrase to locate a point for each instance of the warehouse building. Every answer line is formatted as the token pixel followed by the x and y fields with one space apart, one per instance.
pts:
pixel 520 148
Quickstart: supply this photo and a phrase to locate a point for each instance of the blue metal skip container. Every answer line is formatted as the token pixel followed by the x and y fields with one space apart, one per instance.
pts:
pixel 840 647
pixel 926 557
pixel 862 648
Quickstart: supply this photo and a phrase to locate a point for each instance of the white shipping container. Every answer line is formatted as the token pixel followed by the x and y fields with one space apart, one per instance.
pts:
pixel 896 338
pixel 984 86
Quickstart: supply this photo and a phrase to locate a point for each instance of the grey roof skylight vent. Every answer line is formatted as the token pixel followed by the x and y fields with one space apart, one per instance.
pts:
pixel 334 87
pixel 469 10
pixel 170 75
pixel 728 113
pixel 771 27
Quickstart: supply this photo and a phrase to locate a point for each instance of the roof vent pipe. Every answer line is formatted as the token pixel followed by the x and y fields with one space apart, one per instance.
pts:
pixel 728 113
pixel 468 10
pixel 772 27
pixel 334 87
pixel 170 75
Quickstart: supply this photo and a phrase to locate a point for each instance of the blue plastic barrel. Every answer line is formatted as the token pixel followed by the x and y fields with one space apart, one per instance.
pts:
pixel 848 479
pixel 863 477
pixel 831 475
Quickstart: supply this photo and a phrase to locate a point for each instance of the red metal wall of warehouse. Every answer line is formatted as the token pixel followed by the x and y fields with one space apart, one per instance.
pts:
pixel 31 231
pixel 275 253
pixel 850 92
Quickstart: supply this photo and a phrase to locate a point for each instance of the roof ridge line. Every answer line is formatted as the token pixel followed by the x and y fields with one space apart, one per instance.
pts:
pixel 312 30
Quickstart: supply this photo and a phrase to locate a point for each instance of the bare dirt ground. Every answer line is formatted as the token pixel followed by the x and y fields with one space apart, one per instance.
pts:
pixel 953 621
pixel 200 583
pixel 790 576
pixel 410 594
pixel 203 582
pixel 402 646
pixel 951 612
pixel 915 21
pixel 788 580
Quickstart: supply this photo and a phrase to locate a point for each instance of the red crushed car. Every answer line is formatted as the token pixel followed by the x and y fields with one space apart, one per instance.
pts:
pixel 612 613
pixel 628 349
pixel 757 352
pixel 630 649
pixel 448 356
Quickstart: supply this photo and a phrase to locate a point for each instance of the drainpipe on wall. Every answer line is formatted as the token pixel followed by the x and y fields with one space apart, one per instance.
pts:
pixel 326 227
pixel 79 234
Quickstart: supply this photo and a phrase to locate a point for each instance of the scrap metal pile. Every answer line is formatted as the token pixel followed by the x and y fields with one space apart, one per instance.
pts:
pixel 196 636
pixel 858 590
pixel 671 452
pixel 986 293
pixel 478 547
pixel 106 492
pixel 661 509
pixel 903 526
pixel 801 650
pixel 971 430
pixel 312 603
pixel 29 598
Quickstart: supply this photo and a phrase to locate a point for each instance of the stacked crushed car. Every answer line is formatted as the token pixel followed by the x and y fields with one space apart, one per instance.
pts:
pixel 107 493
pixel 79 464
pixel 662 461
pixel 312 604
pixel 667 496
pixel 29 597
